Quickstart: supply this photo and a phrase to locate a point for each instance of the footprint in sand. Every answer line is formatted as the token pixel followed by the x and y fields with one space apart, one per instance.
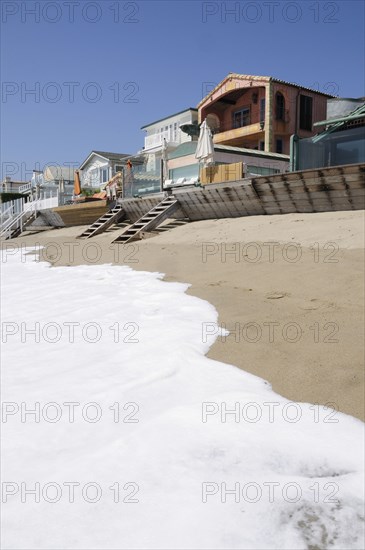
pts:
pixel 315 303
pixel 218 283
pixel 276 295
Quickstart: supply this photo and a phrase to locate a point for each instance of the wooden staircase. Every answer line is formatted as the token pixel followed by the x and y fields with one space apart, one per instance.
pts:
pixel 149 221
pixel 113 216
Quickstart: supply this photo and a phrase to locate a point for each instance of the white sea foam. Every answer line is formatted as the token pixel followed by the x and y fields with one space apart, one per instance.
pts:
pixel 186 479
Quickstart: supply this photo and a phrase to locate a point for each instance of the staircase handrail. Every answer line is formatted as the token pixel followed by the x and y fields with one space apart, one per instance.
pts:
pixel 116 176
pixel 17 218
pixel 5 227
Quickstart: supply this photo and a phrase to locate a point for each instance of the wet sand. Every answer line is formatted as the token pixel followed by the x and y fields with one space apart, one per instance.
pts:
pixel 290 289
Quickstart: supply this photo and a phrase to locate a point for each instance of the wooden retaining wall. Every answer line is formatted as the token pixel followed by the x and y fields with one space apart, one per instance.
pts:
pixel 328 189
pixel 81 214
pixel 220 200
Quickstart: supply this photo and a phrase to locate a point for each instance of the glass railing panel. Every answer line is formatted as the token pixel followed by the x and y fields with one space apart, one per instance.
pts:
pixel 335 149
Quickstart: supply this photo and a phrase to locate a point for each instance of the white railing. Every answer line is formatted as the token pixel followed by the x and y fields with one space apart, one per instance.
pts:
pixel 12 217
pixel 41 204
pixel 11 207
pixel 155 140
pixel 7 188
pixel 25 188
pixel 14 214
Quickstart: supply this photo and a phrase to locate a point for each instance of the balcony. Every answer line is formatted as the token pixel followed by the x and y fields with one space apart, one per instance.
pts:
pixel 230 135
pixel 156 140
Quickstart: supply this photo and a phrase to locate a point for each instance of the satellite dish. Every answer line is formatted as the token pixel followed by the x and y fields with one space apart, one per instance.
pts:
pixel 191 129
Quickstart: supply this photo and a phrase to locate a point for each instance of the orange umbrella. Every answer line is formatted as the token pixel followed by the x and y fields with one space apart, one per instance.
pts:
pixel 77 185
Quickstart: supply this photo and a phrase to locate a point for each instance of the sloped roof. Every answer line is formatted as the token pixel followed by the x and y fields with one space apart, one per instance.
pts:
pixel 169 116
pixel 355 114
pixel 106 155
pixel 335 125
pixel 111 156
pixel 259 78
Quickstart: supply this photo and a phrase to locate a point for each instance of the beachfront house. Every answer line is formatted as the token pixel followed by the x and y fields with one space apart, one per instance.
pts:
pixel 174 139
pixel 183 167
pixel 143 172
pixel 261 112
pixel 99 167
pixel 58 176
pixel 9 185
pixel 251 118
pixel 169 129
pixel 55 180
pixel 341 141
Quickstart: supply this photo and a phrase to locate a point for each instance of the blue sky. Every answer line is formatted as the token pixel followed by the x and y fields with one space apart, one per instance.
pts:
pixel 101 70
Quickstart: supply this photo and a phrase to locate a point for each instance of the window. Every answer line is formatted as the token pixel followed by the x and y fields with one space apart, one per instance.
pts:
pixel 279 145
pixel 241 118
pixel 305 113
pixel 262 170
pixel 262 110
pixel 92 177
pixel 190 171
pixel 104 175
pixel 262 146
pixel 280 106
pixel 118 168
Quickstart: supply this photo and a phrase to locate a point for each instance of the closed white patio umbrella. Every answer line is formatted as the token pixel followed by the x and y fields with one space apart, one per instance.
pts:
pixel 205 148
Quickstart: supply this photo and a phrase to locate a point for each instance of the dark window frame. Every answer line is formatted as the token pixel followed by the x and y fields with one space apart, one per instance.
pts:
pixel 244 116
pixel 279 145
pixel 104 173
pixel 280 106
pixel 306 112
pixel 262 109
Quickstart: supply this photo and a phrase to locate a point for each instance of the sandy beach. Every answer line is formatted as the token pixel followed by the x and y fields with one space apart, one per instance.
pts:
pixel 289 289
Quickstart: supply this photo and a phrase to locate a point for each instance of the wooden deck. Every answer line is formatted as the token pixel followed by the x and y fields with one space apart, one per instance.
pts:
pixel 81 214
